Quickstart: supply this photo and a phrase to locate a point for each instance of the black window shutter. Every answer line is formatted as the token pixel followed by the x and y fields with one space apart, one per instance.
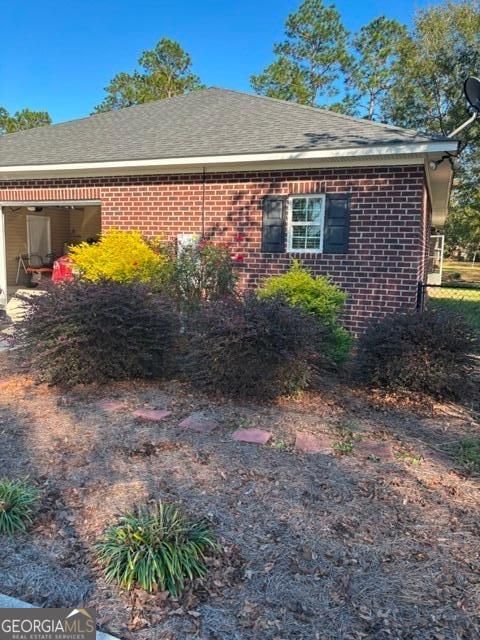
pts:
pixel 337 222
pixel 273 227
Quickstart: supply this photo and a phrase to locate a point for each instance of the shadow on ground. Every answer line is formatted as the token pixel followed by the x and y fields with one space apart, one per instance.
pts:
pixel 315 546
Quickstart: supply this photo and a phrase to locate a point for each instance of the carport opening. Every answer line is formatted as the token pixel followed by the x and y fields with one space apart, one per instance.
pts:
pixel 39 235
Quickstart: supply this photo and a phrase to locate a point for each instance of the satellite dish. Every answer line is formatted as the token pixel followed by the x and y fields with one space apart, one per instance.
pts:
pixel 471 89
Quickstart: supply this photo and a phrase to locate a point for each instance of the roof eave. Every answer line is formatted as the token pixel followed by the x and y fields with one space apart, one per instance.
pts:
pixel 439 179
pixel 216 162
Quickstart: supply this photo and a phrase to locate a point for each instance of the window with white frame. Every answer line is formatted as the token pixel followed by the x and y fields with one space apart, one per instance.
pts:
pixel 305 223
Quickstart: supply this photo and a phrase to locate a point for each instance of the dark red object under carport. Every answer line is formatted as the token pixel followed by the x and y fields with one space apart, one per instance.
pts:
pixel 62 270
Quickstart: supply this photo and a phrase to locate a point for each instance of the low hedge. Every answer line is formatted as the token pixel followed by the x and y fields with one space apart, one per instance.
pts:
pixel 84 332
pixel 430 352
pixel 253 348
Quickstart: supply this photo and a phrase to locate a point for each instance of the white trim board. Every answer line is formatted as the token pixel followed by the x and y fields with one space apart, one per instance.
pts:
pixel 372 151
pixel 3 261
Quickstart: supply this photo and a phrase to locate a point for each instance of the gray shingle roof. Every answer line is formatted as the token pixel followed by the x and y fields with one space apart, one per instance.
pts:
pixel 208 122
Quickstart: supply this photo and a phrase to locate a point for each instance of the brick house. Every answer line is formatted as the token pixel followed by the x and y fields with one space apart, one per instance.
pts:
pixel 354 200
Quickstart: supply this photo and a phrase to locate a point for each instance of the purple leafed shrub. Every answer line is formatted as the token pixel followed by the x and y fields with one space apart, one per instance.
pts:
pixel 253 348
pixel 430 352
pixel 84 332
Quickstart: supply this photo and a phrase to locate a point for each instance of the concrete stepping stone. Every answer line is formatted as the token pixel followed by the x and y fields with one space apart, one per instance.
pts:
pixel 110 404
pixel 308 443
pixel 151 415
pixel 199 423
pixel 369 449
pixel 254 436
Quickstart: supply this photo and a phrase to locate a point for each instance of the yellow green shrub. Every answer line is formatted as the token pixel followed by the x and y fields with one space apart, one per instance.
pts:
pixel 316 295
pixel 122 256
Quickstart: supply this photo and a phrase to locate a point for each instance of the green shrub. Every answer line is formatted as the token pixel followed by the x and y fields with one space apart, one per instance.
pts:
pixel 317 296
pixel 155 548
pixel 83 332
pixel 17 499
pixel 430 352
pixel 121 256
pixel 253 348
pixel 202 272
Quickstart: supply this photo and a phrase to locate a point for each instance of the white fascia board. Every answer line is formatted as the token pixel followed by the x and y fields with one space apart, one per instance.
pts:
pixel 119 166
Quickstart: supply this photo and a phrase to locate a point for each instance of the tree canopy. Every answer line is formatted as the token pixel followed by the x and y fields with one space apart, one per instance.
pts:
pixel 410 77
pixel 375 60
pixel 166 71
pixel 441 51
pixel 311 58
pixel 435 58
pixel 20 120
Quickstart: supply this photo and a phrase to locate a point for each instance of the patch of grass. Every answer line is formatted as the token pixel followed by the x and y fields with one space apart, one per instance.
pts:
pixel 409 458
pixel 467 272
pixel 467 454
pixel 458 300
pixel 17 499
pixel 155 548
pixel 281 445
pixel 343 447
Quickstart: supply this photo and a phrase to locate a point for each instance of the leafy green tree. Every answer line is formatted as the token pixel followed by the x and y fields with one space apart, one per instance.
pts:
pixel 462 231
pixel 376 52
pixel 24 119
pixel 166 72
pixel 442 50
pixel 310 60
pixel 434 60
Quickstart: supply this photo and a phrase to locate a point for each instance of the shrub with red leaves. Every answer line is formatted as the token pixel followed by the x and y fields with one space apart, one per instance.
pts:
pixel 430 352
pixel 84 332
pixel 253 348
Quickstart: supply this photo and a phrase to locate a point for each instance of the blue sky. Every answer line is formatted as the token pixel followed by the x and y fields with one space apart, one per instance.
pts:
pixel 58 55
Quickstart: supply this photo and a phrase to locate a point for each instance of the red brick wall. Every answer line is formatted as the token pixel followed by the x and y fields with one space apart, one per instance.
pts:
pixel 387 223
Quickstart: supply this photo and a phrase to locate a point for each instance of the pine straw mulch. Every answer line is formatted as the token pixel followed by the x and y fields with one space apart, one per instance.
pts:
pixel 314 546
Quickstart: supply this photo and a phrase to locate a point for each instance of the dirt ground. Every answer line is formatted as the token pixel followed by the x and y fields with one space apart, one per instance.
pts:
pixel 315 546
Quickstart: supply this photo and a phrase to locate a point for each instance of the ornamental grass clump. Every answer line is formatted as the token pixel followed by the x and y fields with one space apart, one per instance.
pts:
pixel 87 332
pixel 17 500
pixel 253 348
pixel 155 548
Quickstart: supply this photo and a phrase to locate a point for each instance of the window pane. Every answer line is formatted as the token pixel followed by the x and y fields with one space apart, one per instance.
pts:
pixel 299 210
pixel 314 209
pixel 299 236
pixel 298 243
pixel 314 232
pixel 299 231
pixel 313 237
